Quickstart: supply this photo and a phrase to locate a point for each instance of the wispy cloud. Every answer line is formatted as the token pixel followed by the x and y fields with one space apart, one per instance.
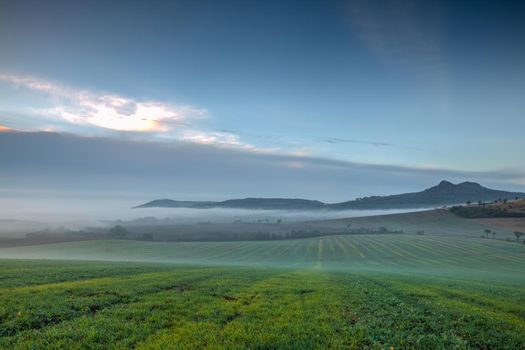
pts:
pixel 402 33
pixel 211 138
pixel 407 36
pixel 337 140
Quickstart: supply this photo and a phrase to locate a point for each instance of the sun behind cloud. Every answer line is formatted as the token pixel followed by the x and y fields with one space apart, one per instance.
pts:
pixel 107 111
pixel 88 111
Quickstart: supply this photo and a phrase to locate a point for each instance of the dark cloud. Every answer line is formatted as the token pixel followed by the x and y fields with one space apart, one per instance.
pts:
pixel 65 162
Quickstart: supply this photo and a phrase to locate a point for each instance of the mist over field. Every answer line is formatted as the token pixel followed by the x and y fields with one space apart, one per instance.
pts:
pixel 78 213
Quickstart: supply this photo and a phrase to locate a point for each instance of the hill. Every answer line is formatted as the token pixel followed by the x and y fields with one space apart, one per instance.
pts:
pixel 498 209
pixel 170 203
pixel 445 193
pixel 245 203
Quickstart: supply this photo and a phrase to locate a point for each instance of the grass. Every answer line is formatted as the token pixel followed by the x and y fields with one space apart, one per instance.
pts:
pixel 428 254
pixel 333 292
pixel 150 306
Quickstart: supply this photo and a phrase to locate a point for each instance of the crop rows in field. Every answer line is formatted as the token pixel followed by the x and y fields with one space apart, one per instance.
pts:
pixel 346 252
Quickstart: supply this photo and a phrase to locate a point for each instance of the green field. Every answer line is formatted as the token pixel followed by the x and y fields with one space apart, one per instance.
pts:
pixel 94 305
pixel 388 253
pixel 333 292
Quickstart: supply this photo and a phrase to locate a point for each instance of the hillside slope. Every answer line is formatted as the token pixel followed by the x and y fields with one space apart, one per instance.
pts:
pixel 445 193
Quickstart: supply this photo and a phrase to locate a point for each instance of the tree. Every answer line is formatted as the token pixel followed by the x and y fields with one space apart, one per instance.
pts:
pixel 147 237
pixel 518 234
pixel 468 202
pixel 487 232
pixel 493 235
pixel 118 231
pixel 421 232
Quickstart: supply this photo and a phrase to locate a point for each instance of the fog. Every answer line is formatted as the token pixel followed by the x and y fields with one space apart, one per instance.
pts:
pixel 19 216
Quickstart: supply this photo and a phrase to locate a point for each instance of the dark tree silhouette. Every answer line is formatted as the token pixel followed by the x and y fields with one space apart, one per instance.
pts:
pixel 147 237
pixel 118 231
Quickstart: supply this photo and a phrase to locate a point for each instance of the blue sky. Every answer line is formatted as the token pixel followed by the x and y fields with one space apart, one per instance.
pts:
pixel 415 84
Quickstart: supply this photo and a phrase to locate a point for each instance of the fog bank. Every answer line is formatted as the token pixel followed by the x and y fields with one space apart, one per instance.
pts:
pixel 28 214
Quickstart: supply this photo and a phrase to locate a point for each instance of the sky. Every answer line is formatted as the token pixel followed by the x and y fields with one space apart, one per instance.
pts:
pixel 213 99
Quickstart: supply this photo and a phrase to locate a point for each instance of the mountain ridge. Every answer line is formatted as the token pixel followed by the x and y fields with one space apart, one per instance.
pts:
pixel 444 193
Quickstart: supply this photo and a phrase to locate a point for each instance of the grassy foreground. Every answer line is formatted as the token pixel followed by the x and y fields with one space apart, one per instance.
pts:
pixel 92 305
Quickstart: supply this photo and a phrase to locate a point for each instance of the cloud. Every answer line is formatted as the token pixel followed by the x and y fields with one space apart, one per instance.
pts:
pixel 95 113
pixel 213 138
pixel 90 111
pixel 182 170
pixel 107 111
pixel 33 83
pixel 4 128
pixel 94 110
pixel 337 140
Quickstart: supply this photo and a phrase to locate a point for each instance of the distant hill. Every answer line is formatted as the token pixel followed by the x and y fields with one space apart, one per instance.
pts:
pixel 445 193
pixel 246 203
pixel 170 203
